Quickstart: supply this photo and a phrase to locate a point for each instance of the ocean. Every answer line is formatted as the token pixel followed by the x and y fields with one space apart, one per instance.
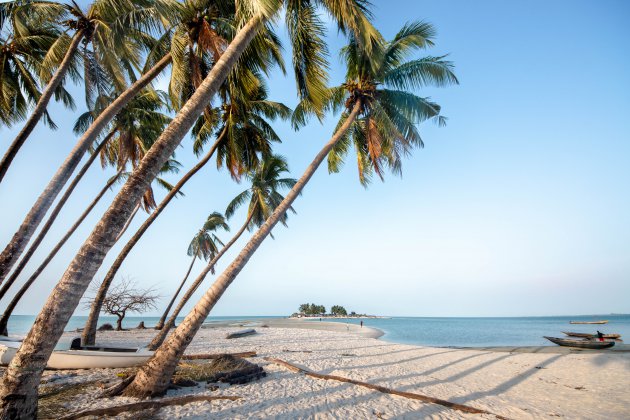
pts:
pixel 439 332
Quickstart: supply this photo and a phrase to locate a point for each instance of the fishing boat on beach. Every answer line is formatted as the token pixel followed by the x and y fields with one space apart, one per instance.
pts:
pixel 83 357
pixel 589 322
pixel 587 335
pixel 583 344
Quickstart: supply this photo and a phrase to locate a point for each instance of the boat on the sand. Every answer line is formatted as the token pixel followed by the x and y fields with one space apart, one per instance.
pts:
pixel 587 335
pixel 583 344
pixel 84 357
pixel 589 322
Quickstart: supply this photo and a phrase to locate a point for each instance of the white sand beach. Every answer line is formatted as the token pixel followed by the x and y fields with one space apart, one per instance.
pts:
pixel 515 385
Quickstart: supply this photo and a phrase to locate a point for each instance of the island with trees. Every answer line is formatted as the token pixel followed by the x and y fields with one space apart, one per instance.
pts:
pixel 312 310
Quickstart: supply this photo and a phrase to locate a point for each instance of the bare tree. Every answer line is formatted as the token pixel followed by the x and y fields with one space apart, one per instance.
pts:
pixel 124 298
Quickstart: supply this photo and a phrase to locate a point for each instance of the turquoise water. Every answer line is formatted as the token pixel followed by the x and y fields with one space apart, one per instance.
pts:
pixel 441 332
pixel 464 332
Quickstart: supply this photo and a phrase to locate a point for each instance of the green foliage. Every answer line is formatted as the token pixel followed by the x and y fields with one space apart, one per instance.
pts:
pixel 205 244
pixel 264 194
pixel 312 309
pixel 338 310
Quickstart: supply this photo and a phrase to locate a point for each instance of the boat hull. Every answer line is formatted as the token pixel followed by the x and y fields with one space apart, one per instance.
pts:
pixel 81 359
pixel 586 335
pixel 583 344
pixel 87 359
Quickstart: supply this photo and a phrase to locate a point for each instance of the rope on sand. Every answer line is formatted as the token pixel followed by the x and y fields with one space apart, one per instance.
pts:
pixel 410 395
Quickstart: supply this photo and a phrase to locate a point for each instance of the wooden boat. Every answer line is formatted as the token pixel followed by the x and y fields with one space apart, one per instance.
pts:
pixel 241 333
pixel 589 322
pixel 583 344
pixel 587 335
pixel 78 357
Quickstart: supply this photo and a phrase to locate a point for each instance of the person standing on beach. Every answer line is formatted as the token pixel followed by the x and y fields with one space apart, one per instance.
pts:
pixel 361 323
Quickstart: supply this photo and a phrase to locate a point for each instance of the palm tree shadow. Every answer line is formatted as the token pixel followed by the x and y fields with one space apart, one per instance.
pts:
pixel 510 383
pixel 389 363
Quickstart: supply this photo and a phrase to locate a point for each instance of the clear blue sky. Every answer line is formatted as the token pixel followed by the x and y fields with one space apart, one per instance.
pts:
pixel 519 206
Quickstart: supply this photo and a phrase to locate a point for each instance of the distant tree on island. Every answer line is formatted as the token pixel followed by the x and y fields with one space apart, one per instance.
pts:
pixel 312 309
pixel 338 310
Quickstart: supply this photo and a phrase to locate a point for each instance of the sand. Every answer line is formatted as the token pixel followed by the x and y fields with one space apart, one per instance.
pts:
pixel 517 385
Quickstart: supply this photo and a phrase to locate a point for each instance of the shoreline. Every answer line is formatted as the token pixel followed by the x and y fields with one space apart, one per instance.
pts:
pixel 516 385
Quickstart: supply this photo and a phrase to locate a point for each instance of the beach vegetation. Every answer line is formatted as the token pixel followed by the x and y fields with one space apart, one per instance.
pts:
pixel 218 53
pixel 125 297
pixel 379 117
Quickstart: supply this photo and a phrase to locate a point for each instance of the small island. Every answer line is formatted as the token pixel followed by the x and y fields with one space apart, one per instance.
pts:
pixel 312 310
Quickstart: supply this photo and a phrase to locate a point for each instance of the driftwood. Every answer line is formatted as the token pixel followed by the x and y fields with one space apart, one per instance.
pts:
pixel 297 351
pixel 217 355
pixel 241 333
pixel 410 395
pixel 146 405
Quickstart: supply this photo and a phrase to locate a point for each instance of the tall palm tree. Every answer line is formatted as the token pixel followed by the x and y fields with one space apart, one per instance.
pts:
pixel 380 119
pixel 203 245
pixel 243 134
pixel 96 81
pixel 49 325
pixel 107 37
pixel 263 196
pixel 26 34
pixel 130 135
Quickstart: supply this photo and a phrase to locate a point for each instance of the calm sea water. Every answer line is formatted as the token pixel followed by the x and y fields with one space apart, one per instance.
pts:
pixel 464 332
pixel 442 332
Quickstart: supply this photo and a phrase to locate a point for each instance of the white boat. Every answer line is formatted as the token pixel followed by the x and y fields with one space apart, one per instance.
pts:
pixel 78 357
pixel 8 350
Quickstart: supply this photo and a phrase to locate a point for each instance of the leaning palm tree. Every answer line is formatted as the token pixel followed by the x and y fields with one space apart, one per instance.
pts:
pixel 203 245
pixel 243 134
pixel 263 197
pixel 309 60
pixel 102 64
pixel 129 136
pixel 107 38
pixel 380 115
pixel 27 32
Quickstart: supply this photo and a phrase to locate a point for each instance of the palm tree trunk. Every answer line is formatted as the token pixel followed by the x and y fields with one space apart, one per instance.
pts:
pixel 159 338
pixel 18 392
pixel 88 337
pixel 4 320
pixel 154 377
pixel 42 103
pixel 34 217
pixel 160 323
pixel 128 222
pixel 40 237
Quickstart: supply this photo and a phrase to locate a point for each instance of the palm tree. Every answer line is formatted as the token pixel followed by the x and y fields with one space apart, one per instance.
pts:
pixel 243 134
pixel 26 34
pixel 109 32
pixel 203 245
pixel 8 311
pixel 252 15
pixel 263 196
pixel 130 135
pixel 380 119
pixel 96 80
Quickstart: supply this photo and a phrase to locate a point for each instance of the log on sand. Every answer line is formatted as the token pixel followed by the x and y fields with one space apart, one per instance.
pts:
pixel 410 395
pixel 146 405
pixel 217 355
